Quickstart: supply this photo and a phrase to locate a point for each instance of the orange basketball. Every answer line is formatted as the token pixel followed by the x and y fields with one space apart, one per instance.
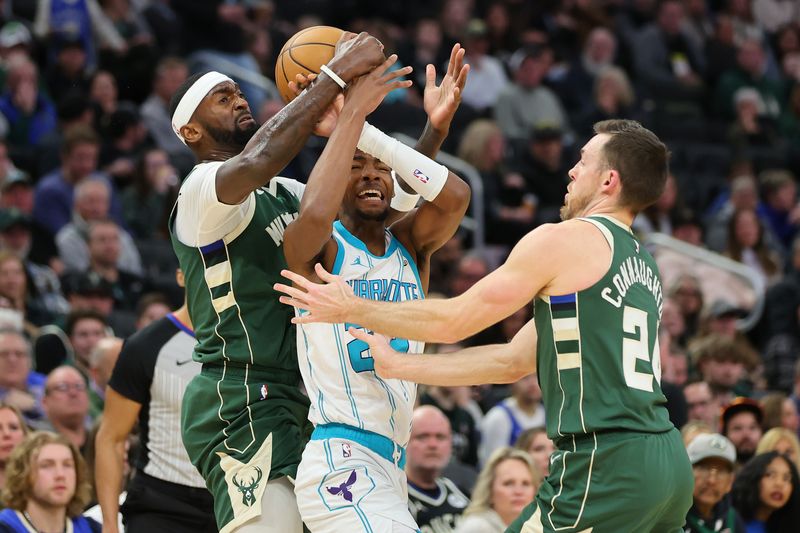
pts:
pixel 304 53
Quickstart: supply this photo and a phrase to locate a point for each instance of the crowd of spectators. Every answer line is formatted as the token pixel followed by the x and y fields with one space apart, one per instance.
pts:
pixel 89 170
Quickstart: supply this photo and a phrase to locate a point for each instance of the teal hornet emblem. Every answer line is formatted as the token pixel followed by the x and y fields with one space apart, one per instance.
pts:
pixel 247 489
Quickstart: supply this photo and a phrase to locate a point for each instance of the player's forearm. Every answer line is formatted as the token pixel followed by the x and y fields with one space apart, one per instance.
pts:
pixel 471 366
pixel 430 141
pixel 109 461
pixel 430 320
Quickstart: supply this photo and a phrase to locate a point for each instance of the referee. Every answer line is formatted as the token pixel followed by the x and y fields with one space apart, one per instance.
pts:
pixel 167 493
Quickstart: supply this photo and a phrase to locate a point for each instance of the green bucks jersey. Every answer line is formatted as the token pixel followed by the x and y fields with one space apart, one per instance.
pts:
pixel 597 353
pixel 235 311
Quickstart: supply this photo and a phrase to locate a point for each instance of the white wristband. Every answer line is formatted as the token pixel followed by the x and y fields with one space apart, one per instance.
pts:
pixel 421 173
pixel 402 201
pixel 332 75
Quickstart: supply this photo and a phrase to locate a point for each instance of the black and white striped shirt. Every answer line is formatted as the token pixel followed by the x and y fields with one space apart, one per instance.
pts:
pixel 153 369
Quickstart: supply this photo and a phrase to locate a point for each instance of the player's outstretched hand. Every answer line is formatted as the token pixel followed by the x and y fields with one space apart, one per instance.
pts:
pixel 380 350
pixel 440 102
pixel 365 93
pixel 329 301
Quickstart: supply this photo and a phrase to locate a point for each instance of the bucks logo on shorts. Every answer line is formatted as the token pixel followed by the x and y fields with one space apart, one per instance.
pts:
pixel 252 477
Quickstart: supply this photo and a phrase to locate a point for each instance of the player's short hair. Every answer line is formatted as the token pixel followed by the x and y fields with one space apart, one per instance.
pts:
pixel 641 159
pixel 185 86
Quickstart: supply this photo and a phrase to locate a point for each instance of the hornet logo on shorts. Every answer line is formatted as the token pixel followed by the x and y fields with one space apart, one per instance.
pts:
pixel 344 488
pixel 247 489
pixel 421 176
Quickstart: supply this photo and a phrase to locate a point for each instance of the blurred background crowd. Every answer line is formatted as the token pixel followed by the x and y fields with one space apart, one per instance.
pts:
pixel 90 167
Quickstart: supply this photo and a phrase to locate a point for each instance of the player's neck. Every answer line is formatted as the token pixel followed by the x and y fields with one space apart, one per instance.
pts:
pixel 370 232
pixel 182 315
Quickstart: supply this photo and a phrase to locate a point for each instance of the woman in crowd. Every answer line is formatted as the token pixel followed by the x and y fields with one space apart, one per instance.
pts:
pixel 507 483
pixel 765 494
pixel 146 203
pixel 746 245
pixel 15 289
pixel 783 441
pixel 536 442
pixel 12 431
pixel 780 411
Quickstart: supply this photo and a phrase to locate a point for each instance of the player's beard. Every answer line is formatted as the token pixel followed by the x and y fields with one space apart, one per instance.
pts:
pixel 574 206
pixel 237 138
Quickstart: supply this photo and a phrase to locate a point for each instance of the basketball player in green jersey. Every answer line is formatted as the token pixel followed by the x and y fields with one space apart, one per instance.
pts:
pixel 620 465
pixel 244 418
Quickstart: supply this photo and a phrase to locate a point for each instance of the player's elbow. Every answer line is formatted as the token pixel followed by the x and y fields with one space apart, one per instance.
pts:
pixel 461 193
pixel 521 364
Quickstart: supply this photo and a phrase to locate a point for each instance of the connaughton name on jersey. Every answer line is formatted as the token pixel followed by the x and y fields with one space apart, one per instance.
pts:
pixel 633 270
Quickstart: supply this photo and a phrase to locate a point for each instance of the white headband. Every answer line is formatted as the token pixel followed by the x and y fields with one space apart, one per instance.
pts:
pixel 193 97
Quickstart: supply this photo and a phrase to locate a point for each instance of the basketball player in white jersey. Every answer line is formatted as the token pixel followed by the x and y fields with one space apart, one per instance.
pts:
pixel 351 474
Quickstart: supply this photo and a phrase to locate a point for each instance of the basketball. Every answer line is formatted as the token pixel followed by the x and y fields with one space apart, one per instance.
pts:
pixel 304 53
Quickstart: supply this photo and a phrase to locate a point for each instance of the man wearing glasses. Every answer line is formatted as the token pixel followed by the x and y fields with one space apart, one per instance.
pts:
pixel 66 404
pixel 713 458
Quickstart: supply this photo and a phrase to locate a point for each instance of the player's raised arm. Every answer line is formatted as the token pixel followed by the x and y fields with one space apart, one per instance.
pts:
pixel 276 142
pixel 495 363
pixel 550 247
pixel 311 231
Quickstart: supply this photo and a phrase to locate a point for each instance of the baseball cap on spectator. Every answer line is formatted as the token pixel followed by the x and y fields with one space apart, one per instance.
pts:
pixel 14 34
pixel 724 309
pixel 708 445
pixel 546 131
pixel 13 217
pixel 476 29
pixel 87 284
pixel 16 177
pixel 740 405
pixel 748 94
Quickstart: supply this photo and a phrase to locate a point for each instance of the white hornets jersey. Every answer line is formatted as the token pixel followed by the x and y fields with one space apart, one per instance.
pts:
pixel 338 369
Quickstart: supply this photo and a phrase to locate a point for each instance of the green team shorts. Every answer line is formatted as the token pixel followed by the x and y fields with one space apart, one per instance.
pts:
pixel 614 482
pixel 242 428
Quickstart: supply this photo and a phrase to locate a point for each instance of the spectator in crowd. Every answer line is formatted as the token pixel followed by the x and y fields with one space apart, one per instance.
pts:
pixel 780 204
pixel 30 114
pixel 765 493
pixel 170 73
pixel 463 426
pixel 506 484
pixel 19 235
pixel 92 202
pixel 151 307
pixel 21 295
pixel 667 61
pixel 743 195
pixel 751 129
pixel 527 102
pixel 674 363
pixel 720 318
pixel 504 422
pixel 612 97
pixel 148 200
pixel 101 363
pixel 510 206
pixel 741 423
pixel 104 96
pixel 721 362
pixel 672 322
pixel 47 487
pixel 688 294
pixel 539 446
pixel 20 386
pixel 13 430
pixel 781 440
pixel 74 109
pixel 105 251
pixel 435 502
pixel 779 411
pixel 66 405
pixel 125 139
pixel 69 74
pixel 576 87
pixel 658 217
pixel 544 165
pixel 53 200
pixel 746 244
pixel 713 458
pixel 700 403
pixel 471 269
pixel 487 77
pixel 88 291
pixel 85 328
pixel 751 71
pixel 686 226
pixel 720 50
